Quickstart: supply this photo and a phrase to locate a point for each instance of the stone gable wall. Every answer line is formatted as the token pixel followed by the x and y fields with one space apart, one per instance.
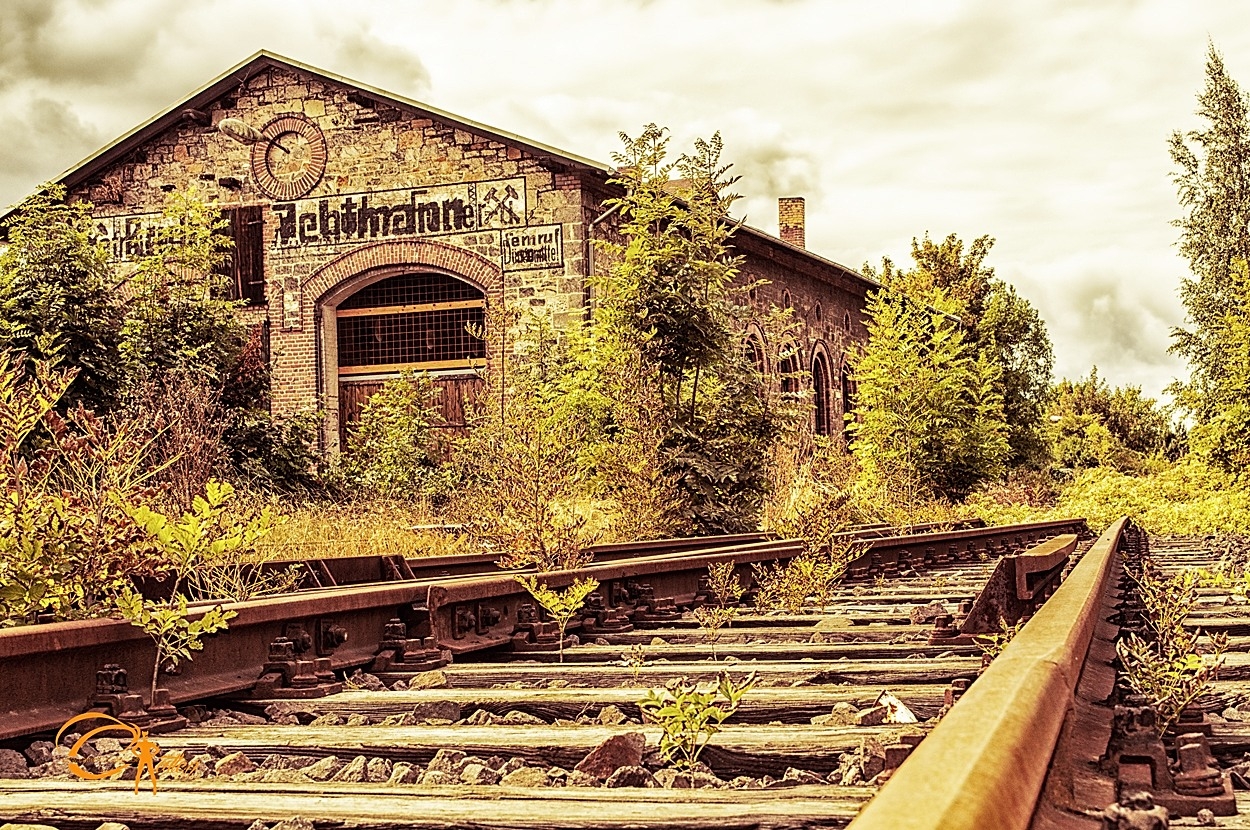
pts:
pixel 372 149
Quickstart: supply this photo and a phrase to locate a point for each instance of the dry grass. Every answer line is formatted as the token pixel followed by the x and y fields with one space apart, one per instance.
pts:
pixel 367 528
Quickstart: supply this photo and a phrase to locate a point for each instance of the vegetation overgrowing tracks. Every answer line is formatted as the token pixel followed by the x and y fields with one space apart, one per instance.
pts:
pixel 800 743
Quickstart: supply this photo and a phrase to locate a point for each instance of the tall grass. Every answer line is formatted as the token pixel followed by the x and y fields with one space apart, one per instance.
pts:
pixel 1186 498
pixel 362 528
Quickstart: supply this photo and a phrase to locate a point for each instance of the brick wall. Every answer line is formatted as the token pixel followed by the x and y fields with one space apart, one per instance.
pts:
pixel 792 224
pixel 827 311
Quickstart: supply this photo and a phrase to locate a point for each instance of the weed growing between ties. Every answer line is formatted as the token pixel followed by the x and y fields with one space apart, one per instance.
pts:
pixel 993 644
pixel 689 714
pixel 561 605
pixel 1165 666
pixel 809 579
pixel 634 659
pixel 725 591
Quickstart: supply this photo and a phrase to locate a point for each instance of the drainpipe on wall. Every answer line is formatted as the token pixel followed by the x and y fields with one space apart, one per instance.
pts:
pixel 589 257
pixel 318 367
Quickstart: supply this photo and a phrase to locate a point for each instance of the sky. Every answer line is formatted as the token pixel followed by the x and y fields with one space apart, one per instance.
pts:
pixel 1041 123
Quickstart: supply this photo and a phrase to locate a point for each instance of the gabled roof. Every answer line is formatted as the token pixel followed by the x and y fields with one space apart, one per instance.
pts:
pixel 230 80
pixel 259 62
pixel 817 259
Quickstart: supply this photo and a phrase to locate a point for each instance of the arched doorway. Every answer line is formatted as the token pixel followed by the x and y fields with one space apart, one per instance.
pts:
pixel 409 320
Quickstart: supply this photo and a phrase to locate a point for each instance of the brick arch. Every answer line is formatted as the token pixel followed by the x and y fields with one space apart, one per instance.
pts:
pixel 420 253
pixel 755 344
pixel 334 282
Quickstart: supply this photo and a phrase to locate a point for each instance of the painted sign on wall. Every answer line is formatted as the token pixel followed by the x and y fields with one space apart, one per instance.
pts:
pixel 390 214
pixel 128 237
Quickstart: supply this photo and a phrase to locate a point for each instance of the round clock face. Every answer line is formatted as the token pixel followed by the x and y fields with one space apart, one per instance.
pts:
pixel 290 158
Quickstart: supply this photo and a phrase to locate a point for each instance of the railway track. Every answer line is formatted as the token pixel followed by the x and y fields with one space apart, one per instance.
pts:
pixel 504 735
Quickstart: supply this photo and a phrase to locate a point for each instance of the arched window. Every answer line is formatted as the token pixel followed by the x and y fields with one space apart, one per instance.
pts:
pixel 820 394
pixel 754 352
pixel 789 369
pixel 411 321
pixel 848 390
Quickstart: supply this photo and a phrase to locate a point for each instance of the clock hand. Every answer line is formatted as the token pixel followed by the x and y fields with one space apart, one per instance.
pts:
pixel 280 147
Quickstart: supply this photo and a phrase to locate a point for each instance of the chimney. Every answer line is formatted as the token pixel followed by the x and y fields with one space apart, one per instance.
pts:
pixel 790 218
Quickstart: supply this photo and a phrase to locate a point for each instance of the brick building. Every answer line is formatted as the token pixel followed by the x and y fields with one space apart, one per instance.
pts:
pixel 369 229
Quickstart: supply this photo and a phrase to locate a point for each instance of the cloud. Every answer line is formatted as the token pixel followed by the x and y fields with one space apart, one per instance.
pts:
pixel 63 42
pixel 40 133
pixel 1040 122
pixel 379 63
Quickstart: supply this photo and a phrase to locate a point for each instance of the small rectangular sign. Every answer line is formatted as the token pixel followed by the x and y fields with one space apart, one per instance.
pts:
pixel 535 246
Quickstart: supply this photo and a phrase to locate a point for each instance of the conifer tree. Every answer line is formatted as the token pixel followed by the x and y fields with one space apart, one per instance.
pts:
pixel 1213 185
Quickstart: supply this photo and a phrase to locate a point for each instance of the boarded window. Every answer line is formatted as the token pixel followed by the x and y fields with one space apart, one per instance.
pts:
pixel 244 267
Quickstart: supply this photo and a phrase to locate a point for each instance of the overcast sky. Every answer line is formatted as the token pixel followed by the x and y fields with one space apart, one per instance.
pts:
pixel 1042 124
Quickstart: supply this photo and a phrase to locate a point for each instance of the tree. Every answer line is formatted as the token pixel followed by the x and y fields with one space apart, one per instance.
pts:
pixel 57 292
pixel 1213 185
pixel 669 308
pixel 1094 425
pixel 180 330
pixel 178 320
pixel 392 451
pixel 524 489
pixel 997 321
pixel 928 416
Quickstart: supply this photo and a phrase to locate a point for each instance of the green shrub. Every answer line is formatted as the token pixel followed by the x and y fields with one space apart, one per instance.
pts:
pixel 561 605
pixel 66 544
pixel 392 453
pixel 1185 498
pixel 689 714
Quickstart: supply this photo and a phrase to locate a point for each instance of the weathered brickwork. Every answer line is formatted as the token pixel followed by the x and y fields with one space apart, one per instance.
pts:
pixel 792 220
pixel 827 308
pixel 405 190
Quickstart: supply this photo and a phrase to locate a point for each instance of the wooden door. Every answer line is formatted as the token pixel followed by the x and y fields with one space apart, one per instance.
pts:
pixel 457 395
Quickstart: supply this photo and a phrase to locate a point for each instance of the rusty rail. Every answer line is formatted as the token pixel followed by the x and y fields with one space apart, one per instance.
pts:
pixel 357 570
pixel 294 644
pixel 985 763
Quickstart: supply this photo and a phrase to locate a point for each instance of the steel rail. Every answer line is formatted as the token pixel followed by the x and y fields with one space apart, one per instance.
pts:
pixel 50 670
pixel 985 763
pixel 356 570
